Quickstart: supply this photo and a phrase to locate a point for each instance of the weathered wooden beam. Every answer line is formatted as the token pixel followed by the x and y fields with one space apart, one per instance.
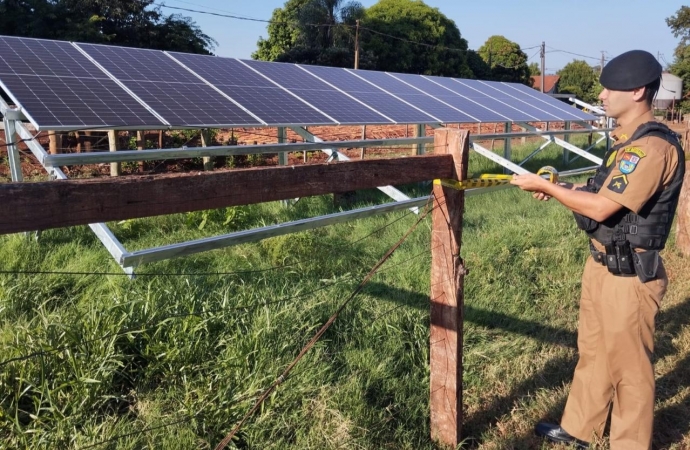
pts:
pixel 38 206
pixel 447 275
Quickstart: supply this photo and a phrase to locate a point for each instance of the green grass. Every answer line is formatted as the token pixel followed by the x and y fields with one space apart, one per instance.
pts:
pixel 174 362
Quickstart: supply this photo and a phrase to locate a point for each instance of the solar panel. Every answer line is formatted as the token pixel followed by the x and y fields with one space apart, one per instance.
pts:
pixel 535 97
pixel 59 88
pixel 427 103
pixel 396 110
pixel 317 93
pixel 507 100
pixel 497 107
pixel 271 103
pixel 180 97
pixel 467 105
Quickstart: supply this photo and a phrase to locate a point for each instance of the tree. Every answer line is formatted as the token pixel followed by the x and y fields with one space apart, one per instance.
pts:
pixel 133 23
pixel 409 36
pixel 680 27
pixel 283 31
pixel 506 60
pixel 580 79
pixel 312 32
pixel 534 70
pixel 480 69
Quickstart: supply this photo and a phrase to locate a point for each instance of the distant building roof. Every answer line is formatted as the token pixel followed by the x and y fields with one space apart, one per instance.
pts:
pixel 549 82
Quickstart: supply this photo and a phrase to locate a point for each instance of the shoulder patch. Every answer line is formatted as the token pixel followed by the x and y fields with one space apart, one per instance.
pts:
pixel 635 151
pixel 618 184
pixel 631 157
pixel 611 159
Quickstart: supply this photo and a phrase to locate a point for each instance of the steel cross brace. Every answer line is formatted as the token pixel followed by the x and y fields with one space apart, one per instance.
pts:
pixel 564 144
pixel 390 191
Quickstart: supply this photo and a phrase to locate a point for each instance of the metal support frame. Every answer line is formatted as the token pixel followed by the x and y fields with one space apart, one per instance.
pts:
pixel 390 191
pixel 282 139
pixel 566 138
pixel 507 147
pixel 12 150
pixel 130 260
pixel 420 131
pixel 564 144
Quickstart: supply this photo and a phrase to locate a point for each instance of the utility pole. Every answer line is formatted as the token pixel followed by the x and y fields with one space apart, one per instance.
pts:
pixel 601 66
pixel 543 64
pixel 357 44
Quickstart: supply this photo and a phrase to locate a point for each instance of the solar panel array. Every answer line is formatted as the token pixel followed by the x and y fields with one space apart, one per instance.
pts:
pixel 61 85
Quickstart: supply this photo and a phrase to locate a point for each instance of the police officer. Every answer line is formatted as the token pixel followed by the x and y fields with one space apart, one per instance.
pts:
pixel 626 209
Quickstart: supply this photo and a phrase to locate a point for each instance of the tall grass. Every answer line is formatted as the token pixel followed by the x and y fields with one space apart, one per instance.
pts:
pixel 170 361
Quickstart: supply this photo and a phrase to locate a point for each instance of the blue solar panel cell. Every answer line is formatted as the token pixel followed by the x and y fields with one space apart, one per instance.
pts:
pixel 325 98
pixel 495 107
pixel 396 109
pixel 125 63
pixel 506 89
pixel 181 98
pixel 272 104
pixel 535 97
pixel 470 107
pixel 59 88
pixel 223 71
pixel 508 101
pixel 434 107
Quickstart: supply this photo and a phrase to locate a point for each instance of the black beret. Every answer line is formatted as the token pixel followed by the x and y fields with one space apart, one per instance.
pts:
pixel 630 70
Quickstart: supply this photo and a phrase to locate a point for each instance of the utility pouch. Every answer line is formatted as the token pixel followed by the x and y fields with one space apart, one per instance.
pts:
pixel 612 259
pixel 646 265
pixel 625 258
pixel 585 223
pixel 619 258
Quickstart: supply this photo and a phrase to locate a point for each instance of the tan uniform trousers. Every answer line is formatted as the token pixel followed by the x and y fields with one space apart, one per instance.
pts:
pixel 615 343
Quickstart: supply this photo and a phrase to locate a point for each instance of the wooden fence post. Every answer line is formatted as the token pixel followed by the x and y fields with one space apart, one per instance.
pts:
pixel 447 275
pixel 115 169
pixel 205 138
pixel 54 143
pixel 683 223
pixel 141 145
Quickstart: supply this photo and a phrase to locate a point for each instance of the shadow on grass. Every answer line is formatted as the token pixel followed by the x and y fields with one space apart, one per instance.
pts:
pixel 557 371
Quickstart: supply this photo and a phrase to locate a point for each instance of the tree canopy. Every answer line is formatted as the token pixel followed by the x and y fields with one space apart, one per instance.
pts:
pixel 312 32
pixel 132 23
pixel 680 27
pixel 506 61
pixel 395 35
pixel 411 37
pixel 579 78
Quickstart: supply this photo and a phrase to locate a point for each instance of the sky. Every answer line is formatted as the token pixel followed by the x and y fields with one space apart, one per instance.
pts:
pixel 570 29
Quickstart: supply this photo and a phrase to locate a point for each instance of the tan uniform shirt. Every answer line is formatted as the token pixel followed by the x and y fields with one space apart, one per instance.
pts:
pixel 642 168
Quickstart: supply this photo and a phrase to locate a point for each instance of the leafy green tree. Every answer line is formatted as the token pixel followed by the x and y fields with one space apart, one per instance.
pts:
pixel 680 27
pixel 312 32
pixel 283 31
pixel 409 36
pixel 580 79
pixel 480 69
pixel 534 70
pixel 134 23
pixel 506 60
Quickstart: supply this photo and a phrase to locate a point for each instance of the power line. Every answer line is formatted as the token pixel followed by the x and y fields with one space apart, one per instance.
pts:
pixel 555 50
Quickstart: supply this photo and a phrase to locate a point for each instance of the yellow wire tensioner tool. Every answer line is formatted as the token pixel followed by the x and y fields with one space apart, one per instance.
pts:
pixel 490 180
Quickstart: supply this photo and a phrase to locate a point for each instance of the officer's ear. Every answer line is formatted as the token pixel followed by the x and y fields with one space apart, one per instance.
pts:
pixel 639 94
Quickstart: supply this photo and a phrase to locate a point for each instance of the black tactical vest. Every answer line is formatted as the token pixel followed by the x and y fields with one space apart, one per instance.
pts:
pixel 650 228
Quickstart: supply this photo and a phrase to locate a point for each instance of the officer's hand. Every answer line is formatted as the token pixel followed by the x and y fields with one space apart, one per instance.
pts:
pixel 530 182
pixel 541 196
